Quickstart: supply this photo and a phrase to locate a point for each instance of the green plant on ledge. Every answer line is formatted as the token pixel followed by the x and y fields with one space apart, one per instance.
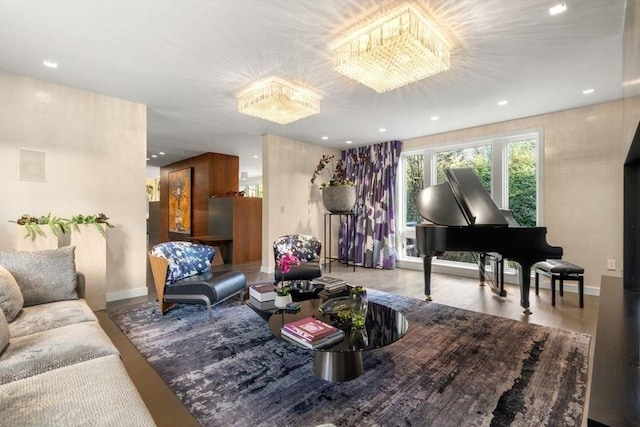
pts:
pixel 90 219
pixel 32 224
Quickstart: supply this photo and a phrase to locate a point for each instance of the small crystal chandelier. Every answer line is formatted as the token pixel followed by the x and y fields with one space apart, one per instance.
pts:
pixel 398 48
pixel 278 101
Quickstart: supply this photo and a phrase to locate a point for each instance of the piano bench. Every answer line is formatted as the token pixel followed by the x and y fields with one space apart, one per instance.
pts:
pixel 557 269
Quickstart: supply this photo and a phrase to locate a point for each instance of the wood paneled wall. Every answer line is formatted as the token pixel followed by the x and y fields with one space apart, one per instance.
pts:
pixel 213 174
pixel 247 229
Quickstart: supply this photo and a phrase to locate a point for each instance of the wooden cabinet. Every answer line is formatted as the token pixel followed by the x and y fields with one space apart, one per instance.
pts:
pixel 238 219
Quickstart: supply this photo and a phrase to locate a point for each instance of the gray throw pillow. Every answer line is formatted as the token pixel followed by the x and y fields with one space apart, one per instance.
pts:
pixel 43 276
pixel 11 300
pixel 4 332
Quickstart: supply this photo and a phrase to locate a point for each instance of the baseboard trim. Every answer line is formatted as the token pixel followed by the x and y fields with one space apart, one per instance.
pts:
pixel 127 294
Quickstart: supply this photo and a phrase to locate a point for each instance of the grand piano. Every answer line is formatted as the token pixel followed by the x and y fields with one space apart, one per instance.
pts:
pixel 463 218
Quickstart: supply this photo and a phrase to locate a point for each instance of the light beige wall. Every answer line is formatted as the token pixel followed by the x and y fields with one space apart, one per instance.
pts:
pixel 95 162
pixel 582 181
pixel 291 204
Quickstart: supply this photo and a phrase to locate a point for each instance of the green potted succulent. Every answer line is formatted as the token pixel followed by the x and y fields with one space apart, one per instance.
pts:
pixel 32 225
pixel 100 221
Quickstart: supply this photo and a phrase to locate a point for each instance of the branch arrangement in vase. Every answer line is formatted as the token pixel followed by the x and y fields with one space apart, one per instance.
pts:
pixel 336 170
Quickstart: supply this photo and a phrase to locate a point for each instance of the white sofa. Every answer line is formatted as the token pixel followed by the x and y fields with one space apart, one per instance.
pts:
pixel 57 366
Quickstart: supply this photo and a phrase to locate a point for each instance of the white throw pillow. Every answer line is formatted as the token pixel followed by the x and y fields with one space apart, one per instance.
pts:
pixel 11 300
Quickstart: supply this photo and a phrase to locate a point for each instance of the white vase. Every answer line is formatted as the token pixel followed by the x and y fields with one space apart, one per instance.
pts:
pixel 37 242
pixel 91 260
pixel 282 301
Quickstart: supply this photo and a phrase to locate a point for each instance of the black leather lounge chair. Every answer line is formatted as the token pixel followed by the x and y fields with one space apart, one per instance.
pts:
pixel 182 274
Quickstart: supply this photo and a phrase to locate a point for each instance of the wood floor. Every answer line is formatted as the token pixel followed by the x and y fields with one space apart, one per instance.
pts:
pixel 453 291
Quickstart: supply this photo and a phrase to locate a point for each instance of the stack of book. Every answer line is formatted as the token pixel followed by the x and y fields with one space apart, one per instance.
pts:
pixel 311 333
pixel 262 293
pixel 262 297
pixel 332 285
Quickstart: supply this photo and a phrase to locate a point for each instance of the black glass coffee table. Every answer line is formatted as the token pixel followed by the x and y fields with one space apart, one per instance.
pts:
pixel 341 361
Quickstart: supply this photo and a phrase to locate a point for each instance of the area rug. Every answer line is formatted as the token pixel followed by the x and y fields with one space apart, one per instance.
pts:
pixel 453 368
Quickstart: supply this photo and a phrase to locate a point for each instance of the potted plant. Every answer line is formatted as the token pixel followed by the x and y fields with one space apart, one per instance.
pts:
pixel 39 232
pixel 339 194
pixel 88 233
pixel 101 222
pixel 283 290
pixel 32 225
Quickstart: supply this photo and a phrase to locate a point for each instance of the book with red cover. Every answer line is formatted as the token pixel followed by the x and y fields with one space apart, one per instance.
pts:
pixel 325 341
pixel 309 328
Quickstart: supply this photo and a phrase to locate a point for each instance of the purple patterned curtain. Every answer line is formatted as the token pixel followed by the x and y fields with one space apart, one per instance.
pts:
pixel 374 173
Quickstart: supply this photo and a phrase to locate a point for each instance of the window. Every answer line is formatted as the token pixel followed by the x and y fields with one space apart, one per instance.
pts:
pixel 508 168
pixel 254 190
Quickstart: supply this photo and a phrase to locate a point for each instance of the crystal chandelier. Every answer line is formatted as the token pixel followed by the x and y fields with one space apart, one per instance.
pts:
pixel 398 48
pixel 278 101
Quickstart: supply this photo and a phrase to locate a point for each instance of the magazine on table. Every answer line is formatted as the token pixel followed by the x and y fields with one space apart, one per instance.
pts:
pixel 309 328
pixel 325 341
pixel 328 281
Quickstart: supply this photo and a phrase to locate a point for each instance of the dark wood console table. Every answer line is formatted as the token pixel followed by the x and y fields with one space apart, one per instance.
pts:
pixel 218 242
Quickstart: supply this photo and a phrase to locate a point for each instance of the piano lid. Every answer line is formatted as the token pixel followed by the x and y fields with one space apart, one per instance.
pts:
pixel 461 201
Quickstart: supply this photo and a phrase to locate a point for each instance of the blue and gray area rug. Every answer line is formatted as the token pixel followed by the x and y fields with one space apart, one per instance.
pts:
pixel 452 368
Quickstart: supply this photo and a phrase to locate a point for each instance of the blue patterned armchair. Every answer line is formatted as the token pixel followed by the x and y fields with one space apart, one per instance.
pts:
pixel 306 248
pixel 182 274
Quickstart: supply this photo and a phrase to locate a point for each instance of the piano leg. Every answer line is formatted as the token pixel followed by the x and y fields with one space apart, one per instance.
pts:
pixel 482 259
pixel 426 260
pixel 525 284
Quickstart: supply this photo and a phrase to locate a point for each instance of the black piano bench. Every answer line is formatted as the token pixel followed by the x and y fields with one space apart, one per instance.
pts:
pixel 557 269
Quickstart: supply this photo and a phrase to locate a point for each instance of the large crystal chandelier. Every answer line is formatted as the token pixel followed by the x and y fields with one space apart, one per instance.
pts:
pixel 398 48
pixel 278 101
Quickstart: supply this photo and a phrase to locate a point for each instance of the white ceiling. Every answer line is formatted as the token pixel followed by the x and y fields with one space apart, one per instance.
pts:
pixel 187 59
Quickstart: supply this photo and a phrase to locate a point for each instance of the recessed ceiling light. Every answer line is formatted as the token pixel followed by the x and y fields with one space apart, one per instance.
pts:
pixel 588 91
pixel 325 138
pixel 434 118
pixel 154 155
pixel 50 64
pixel 161 153
pixel 255 156
pixel 382 130
pixel 503 102
pixel 349 142
pixel 559 8
pixel 148 159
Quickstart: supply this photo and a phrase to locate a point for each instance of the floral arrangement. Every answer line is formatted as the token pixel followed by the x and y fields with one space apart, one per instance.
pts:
pixel 336 171
pixel 285 263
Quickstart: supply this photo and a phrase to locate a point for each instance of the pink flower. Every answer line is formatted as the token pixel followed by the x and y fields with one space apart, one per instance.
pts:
pixel 287 261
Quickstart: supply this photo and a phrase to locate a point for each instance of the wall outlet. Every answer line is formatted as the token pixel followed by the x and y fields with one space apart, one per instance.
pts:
pixel 611 264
